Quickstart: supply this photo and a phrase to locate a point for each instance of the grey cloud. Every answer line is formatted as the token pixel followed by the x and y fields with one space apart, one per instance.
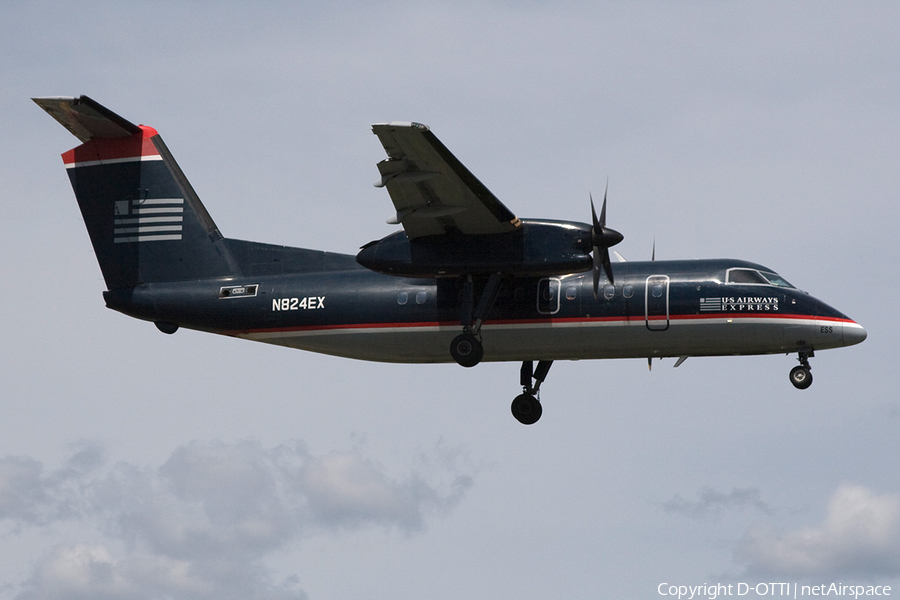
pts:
pixel 711 502
pixel 199 525
pixel 22 490
pixel 859 537
pixel 31 496
pixel 210 499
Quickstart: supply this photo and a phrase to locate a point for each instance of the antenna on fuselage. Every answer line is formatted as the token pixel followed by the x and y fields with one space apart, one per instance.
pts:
pixel 652 258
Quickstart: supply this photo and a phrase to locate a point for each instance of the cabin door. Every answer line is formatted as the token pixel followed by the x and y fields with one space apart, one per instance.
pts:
pixel 656 303
pixel 548 296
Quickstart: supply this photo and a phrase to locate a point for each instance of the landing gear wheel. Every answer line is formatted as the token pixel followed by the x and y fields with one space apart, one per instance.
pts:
pixel 526 409
pixel 801 377
pixel 466 350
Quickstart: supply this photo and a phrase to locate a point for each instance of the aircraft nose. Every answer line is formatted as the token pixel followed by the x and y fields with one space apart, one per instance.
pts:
pixel 853 333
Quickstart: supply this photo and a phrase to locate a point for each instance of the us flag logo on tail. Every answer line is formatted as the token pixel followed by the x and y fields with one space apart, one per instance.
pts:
pixel 148 220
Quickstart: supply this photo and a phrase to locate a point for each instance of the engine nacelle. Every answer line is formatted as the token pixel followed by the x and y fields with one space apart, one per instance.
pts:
pixel 537 248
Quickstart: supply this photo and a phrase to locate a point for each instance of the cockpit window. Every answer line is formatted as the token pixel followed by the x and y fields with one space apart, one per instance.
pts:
pixel 746 276
pixel 777 280
pixel 754 277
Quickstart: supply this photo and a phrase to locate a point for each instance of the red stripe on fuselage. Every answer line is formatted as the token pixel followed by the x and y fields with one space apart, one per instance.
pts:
pixel 95 150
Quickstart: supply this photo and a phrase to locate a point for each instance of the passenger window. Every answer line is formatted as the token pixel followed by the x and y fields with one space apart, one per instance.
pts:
pixel 571 292
pixel 609 291
pixel 421 297
pixel 628 291
pixel 656 290
pixel 402 298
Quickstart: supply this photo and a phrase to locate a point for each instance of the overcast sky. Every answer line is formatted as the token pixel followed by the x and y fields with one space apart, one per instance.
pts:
pixel 139 465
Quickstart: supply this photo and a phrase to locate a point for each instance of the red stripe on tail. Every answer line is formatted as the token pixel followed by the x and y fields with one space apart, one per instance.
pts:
pixel 99 149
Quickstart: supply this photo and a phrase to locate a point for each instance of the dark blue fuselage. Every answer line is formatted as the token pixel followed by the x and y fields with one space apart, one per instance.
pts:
pixel 655 309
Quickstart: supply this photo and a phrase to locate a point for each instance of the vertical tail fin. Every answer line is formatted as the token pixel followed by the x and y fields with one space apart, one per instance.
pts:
pixel 145 221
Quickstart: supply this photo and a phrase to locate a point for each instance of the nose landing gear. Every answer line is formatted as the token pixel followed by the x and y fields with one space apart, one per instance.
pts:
pixel 526 407
pixel 801 376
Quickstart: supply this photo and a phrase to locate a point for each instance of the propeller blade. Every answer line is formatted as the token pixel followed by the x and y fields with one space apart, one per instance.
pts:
pixel 596 252
pixel 602 239
pixel 603 210
pixel 607 264
pixel 602 263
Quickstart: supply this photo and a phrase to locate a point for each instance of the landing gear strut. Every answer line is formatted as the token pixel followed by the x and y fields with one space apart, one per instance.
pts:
pixel 801 376
pixel 526 407
pixel 466 348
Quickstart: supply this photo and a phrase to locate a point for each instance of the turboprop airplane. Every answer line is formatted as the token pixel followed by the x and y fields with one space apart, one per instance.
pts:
pixel 465 280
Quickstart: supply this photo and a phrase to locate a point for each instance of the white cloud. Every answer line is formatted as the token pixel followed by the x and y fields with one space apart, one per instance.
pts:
pixel 344 489
pixel 93 573
pixel 199 525
pixel 860 536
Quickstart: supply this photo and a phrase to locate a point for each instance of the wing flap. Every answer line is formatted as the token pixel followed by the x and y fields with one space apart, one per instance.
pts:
pixel 432 191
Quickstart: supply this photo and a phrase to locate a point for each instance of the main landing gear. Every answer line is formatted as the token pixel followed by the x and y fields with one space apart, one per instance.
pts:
pixel 801 376
pixel 526 407
pixel 466 348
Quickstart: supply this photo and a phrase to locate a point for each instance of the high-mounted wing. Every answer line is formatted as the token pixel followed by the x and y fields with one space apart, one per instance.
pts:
pixel 433 193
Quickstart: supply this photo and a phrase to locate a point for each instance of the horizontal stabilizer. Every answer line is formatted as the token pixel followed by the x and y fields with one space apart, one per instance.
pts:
pixel 86 119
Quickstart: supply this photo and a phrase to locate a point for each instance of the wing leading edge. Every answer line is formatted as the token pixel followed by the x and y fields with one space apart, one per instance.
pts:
pixel 432 191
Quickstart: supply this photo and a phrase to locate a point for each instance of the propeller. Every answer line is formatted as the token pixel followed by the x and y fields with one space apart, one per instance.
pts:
pixel 602 239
